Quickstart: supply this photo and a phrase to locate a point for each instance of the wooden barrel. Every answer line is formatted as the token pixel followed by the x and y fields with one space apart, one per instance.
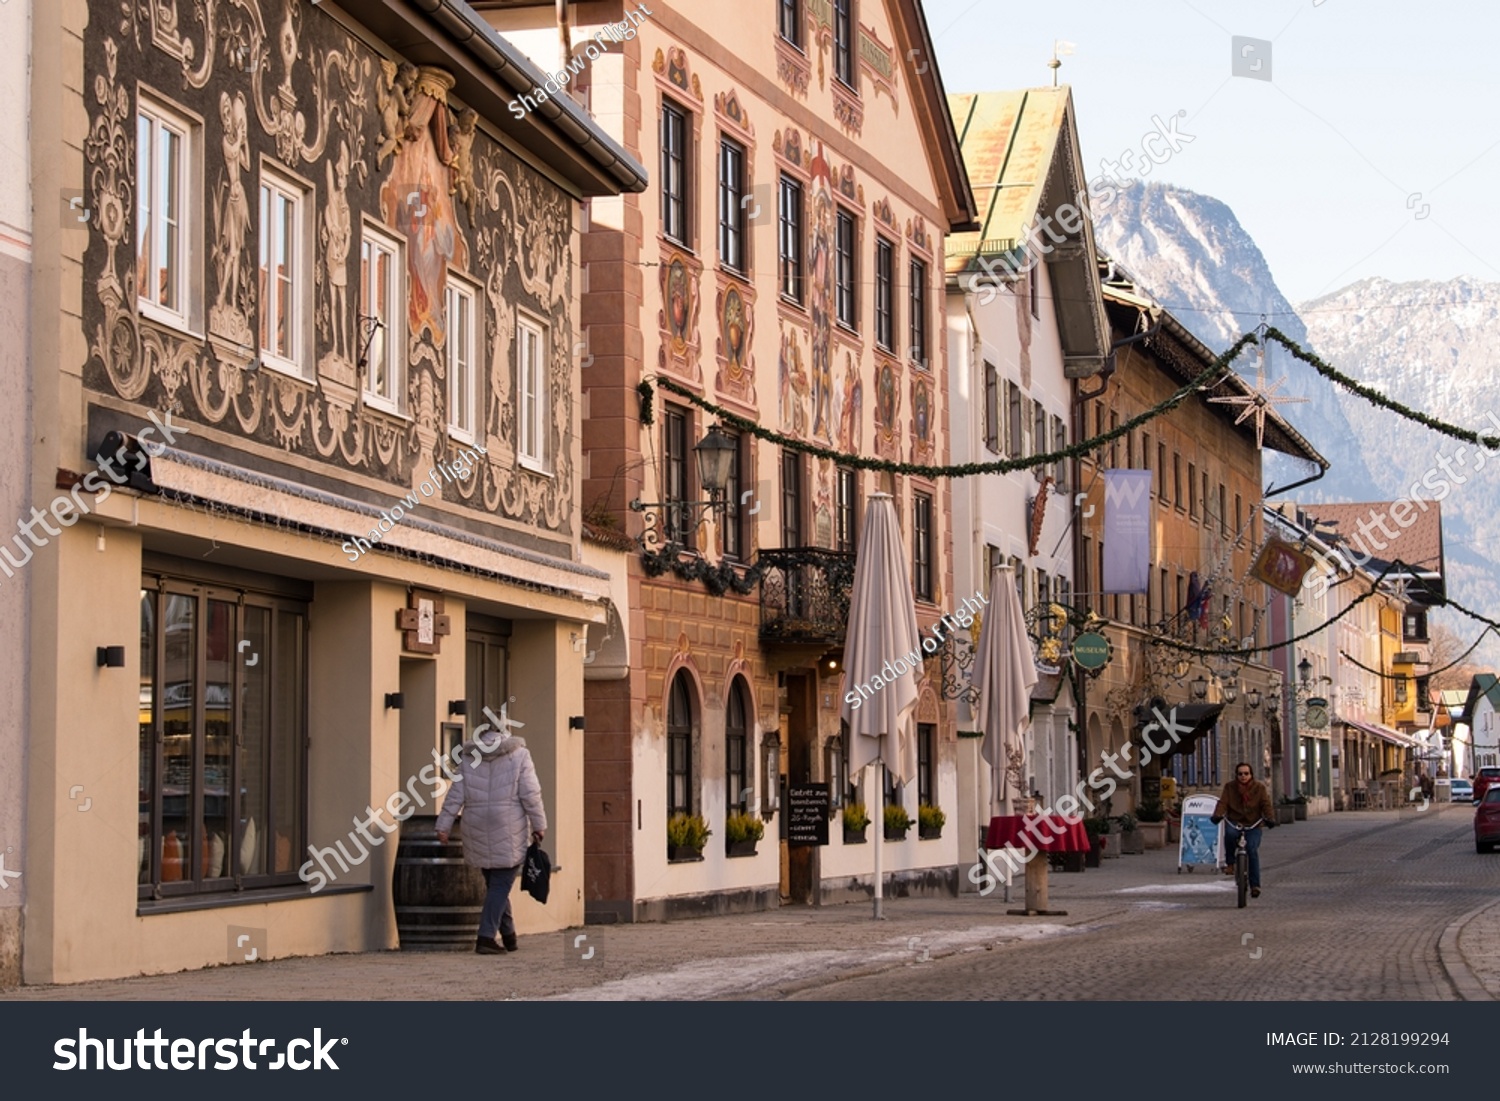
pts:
pixel 438 897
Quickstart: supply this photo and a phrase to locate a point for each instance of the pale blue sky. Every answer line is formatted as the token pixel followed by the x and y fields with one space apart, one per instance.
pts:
pixel 1370 101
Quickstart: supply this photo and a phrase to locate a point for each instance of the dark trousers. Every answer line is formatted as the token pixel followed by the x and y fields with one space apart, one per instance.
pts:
pixel 496 912
pixel 1252 848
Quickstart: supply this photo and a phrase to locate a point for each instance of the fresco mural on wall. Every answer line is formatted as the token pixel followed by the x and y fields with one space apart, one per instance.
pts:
pixel 281 85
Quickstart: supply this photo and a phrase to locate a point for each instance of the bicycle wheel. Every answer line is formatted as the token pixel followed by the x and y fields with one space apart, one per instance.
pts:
pixel 1242 876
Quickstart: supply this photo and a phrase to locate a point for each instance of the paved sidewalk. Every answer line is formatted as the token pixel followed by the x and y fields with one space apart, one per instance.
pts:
pixel 780 952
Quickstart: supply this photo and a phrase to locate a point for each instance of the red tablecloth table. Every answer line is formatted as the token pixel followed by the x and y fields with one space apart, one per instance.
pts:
pixel 1052 833
pixel 1038 833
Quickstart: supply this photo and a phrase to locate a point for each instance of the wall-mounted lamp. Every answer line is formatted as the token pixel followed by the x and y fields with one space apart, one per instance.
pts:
pixel 1304 672
pixel 575 722
pixel 110 657
pixel 1401 696
pixel 833 771
pixel 395 701
pixel 770 789
pixel 1231 692
pixel 458 707
pixel 1200 687
pixel 1252 699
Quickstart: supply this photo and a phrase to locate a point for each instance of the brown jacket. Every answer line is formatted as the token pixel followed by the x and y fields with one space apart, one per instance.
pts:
pixel 1242 811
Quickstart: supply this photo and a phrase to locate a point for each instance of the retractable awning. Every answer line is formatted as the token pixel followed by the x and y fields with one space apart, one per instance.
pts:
pixel 1384 733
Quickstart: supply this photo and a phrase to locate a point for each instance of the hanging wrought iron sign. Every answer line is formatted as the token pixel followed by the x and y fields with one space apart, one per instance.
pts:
pixel 1092 651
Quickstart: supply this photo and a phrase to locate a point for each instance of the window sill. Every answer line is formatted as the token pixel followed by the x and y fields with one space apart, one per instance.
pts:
pixel 744 277
pixel 147 907
pixel 848 329
pixel 165 319
pixel 534 467
pixel 675 243
pixel 788 300
pixel 380 405
pixel 461 435
pixel 283 367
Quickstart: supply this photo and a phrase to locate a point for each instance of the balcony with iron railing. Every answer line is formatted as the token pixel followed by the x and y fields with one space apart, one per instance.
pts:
pixel 804 596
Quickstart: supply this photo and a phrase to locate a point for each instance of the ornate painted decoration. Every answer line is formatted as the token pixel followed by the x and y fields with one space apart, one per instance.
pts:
pixel 793 384
pixel 672 68
pixel 678 318
pixel 735 309
pixel 887 408
pixel 851 399
pixel 394 152
pixel 878 62
pixel 922 414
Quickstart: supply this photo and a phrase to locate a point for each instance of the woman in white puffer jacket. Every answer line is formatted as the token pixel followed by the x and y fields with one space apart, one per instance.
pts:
pixel 501 799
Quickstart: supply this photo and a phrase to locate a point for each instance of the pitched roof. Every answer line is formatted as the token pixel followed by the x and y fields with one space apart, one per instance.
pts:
pixel 1371 533
pixel 1021 152
pixel 1483 684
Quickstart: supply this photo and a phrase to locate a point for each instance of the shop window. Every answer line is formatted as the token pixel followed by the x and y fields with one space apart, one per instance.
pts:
pixel 222 729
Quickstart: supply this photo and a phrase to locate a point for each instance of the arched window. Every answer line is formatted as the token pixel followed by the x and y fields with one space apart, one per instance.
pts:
pixel 737 788
pixel 680 747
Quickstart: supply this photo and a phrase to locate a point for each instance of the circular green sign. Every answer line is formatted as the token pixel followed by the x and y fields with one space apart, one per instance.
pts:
pixel 1091 650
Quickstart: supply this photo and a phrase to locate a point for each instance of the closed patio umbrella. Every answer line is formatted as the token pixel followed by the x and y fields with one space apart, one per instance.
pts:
pixel 1004 675
pixel 882 651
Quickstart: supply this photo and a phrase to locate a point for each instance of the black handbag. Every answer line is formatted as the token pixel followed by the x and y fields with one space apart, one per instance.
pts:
pixel 536 873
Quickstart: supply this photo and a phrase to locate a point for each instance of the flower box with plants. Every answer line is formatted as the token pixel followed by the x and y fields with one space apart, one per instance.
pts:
pixel 856 821
pixel 1286 812
pixel 686 836
pixel 897 822
pixel 930 821
pixel 1299 807
pixel 1132 841
pixel 741 832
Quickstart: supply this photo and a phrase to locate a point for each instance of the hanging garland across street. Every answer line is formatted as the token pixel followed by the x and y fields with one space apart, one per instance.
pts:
pixel 1077 450
pixel 1431 672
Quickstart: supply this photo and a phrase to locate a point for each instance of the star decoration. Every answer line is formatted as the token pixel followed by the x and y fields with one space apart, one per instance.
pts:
pixel 1261 400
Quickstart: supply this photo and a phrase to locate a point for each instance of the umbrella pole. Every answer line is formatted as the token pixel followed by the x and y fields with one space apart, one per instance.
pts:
pixel 879 837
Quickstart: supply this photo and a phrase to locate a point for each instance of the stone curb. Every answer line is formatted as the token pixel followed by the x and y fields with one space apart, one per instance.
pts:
pixel 1469 988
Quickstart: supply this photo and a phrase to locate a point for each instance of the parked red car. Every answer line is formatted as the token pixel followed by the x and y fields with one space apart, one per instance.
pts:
pixel 1487 776
pixel 1487 821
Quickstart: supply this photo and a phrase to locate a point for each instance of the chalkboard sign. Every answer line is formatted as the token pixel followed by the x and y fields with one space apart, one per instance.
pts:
pixel 807 814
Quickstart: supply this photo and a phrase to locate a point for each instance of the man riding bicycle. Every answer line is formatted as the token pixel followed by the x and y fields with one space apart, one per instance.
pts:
pixel 1243 801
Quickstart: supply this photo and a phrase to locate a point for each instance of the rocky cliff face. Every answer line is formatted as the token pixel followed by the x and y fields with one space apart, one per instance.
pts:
pixel 1431 346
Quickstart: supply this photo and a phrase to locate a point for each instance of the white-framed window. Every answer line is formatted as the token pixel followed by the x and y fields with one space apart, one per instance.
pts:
pixel 381 332
pixel 531 394
pixel 462 342
pixel 285 274
pixel 166 221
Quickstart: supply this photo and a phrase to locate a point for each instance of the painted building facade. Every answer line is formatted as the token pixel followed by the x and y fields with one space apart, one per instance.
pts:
pixel 1206 532
pixel 313 450
pixel 1022 327
pixel 785 267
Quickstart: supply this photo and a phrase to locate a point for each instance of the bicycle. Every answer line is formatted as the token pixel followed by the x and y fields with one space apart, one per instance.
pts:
pixel 1242 861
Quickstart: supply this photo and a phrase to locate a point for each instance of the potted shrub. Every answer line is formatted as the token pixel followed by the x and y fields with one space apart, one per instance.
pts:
pixel 1132 841
pixel 741 832
pixel 1299 807
pixel 1097 829
pixel 1151 824
pixel 856 820
pixel 686 836
pixel 1286 812
pixel 897 822
pixel 930 821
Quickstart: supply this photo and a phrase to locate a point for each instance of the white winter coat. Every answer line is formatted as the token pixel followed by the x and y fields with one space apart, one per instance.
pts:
pixel 501 800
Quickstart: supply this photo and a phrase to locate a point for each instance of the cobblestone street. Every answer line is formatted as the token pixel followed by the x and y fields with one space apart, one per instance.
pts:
pixel 1368 906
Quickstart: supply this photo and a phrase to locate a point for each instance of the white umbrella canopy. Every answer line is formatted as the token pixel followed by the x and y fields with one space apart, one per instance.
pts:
pixel 882 649
pixel 882 653
pixel 1004 674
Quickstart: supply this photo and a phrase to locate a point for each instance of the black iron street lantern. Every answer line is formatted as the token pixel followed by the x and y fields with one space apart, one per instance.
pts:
pixel 1252 699
pixel 715 455
pixel 1200 687
pixel 1304 672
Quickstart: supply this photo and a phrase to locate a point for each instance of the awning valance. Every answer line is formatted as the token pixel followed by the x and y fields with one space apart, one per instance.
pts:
pixel 253 493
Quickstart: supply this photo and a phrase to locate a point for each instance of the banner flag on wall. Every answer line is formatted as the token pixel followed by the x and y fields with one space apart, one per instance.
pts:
pixel 1127 531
